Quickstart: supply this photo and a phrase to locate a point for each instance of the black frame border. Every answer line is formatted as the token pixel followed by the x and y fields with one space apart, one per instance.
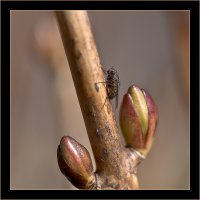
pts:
pixel 193 6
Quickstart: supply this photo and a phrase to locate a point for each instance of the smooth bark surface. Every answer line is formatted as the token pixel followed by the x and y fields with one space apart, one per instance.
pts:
pixel 115 163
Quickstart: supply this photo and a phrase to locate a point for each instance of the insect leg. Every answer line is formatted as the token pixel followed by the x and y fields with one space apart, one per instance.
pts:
pixel 101 82
pixel 104 102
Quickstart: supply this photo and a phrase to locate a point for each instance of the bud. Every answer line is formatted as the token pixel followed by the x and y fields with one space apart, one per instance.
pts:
pixel 75 163
pixel 138 119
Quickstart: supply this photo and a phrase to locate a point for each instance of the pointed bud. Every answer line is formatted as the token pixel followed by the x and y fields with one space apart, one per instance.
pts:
pixel 75 163
pixel 138 119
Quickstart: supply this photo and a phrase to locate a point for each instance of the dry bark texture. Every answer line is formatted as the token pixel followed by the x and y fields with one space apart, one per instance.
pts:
pixel 116 165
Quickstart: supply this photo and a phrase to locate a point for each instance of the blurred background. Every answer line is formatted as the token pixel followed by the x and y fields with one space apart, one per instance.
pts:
pixel 148 48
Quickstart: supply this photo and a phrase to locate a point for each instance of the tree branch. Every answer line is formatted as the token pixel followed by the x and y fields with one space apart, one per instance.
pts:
pixel 114 169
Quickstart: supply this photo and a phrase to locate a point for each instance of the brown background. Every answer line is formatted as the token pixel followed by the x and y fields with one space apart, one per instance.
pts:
pixel 148 48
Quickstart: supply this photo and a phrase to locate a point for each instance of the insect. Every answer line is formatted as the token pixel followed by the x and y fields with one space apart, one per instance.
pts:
pixel 112 84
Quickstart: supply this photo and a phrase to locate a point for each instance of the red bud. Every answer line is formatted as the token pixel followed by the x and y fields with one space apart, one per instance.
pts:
pixel 75 163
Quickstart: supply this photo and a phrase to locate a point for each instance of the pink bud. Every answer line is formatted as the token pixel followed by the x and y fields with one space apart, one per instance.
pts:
pixel 138 119
pixel 75 163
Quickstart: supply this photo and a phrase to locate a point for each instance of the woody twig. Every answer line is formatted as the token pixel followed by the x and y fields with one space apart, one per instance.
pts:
pixel 116 165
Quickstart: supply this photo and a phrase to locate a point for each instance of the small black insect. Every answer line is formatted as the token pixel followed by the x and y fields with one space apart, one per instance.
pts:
pixel 112 84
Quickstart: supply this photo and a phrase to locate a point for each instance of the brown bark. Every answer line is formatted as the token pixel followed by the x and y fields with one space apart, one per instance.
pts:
pixel 116 164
